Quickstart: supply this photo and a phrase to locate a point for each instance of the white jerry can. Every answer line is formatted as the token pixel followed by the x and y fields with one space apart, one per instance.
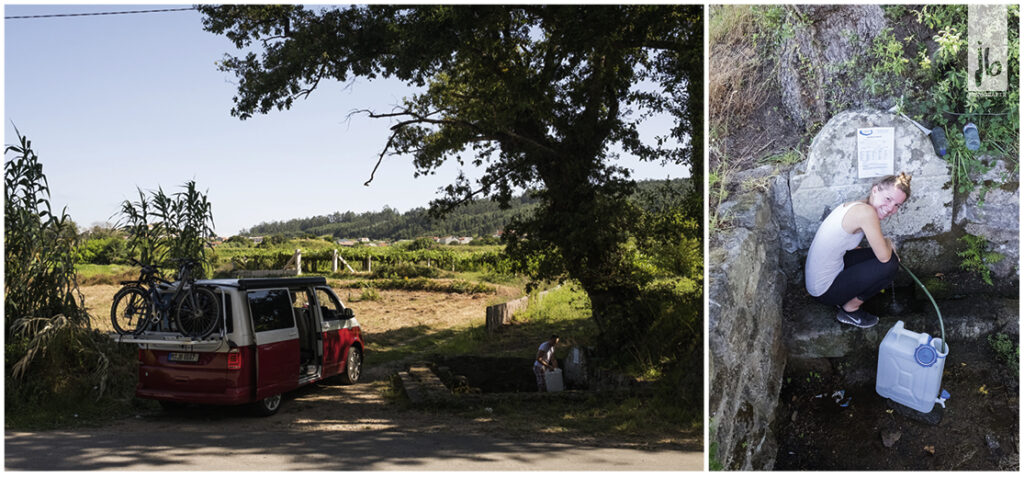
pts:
pixel 910 368
pixel 553 380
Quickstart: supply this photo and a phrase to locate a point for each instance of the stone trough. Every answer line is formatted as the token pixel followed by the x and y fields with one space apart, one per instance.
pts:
pixel 760 316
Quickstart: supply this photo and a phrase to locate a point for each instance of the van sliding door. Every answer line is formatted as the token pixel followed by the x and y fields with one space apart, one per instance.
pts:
pixel 337 331
pixel 277 341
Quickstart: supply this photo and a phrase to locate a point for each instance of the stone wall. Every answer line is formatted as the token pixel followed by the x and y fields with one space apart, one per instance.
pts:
pixel 746 352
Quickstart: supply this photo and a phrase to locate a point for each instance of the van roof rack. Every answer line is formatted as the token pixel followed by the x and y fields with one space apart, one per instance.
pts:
pixel 266 283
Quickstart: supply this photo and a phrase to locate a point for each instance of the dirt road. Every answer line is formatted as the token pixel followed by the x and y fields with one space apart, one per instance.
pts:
pixel 322 427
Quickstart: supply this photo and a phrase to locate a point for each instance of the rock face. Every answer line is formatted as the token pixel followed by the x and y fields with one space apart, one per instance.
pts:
pixel 747 359
pixel 997 217
pixel 829 178
pixel 830 35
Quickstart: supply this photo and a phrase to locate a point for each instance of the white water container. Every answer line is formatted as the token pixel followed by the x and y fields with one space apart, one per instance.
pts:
pixel 910 368
pixel 553 380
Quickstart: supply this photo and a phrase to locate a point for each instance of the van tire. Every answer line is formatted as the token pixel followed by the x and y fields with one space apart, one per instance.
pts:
pixel 267 406
pixel 353 366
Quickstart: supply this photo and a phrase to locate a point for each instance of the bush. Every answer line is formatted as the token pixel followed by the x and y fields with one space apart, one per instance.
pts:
pixel 1007 351
pixel 64 372
pixel 404 270
pixel 422 283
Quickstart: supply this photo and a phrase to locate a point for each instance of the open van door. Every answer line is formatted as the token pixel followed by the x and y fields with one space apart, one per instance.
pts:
pixel 341 331
pixel 277 341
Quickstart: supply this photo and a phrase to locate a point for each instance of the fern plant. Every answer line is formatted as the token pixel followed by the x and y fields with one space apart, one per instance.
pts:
pixel 977 257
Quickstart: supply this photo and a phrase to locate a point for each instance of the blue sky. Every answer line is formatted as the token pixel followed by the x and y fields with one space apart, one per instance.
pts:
pixel 120 102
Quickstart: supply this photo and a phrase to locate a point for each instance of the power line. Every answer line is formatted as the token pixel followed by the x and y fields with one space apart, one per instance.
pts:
pixel 98 13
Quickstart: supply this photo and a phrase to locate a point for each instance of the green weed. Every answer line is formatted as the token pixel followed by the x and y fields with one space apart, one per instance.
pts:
pixel 977 257
pixel 1006 350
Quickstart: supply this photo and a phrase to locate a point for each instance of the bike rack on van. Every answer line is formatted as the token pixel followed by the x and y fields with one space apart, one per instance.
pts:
pixel 208 344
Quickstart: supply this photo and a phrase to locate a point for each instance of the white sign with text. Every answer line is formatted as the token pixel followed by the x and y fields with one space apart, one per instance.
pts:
pixel 875 152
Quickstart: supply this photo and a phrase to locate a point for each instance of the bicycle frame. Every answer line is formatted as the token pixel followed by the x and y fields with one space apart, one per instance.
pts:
pixel 152 282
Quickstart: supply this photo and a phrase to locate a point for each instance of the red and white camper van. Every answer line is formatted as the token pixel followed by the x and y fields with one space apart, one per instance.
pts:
pixel 276 335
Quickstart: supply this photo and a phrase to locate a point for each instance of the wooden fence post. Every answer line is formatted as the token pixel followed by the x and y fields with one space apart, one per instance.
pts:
pixel 298 261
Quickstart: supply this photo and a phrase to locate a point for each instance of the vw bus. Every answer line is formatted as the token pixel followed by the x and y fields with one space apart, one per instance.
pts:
pixel 275 335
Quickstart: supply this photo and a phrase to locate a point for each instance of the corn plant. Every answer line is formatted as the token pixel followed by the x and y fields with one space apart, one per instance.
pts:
pixel 164 227
pixel 47 327
pixel 39 246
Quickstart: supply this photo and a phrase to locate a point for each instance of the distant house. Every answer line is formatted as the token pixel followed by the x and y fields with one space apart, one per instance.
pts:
pixel 449 240
pixel 364 239
pixel 346 242
pixel 465 240
pixel 255 239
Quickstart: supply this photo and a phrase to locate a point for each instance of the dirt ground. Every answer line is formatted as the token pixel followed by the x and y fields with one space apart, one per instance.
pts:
pixel 827 423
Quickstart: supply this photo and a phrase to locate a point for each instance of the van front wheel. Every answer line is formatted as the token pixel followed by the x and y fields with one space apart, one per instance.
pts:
pixel 268 406
pixel 353 366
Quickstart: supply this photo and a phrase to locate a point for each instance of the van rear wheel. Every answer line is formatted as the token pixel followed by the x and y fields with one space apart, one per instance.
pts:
pixel 267 406
pixel 353 366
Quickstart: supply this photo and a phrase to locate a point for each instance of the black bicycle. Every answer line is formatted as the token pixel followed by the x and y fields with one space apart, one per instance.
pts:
pixel 147 302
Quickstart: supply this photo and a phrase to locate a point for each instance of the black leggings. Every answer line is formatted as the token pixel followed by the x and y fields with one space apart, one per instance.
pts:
pixel 862 277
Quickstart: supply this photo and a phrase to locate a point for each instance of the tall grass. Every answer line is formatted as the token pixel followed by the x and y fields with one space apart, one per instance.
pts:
pixel 56 367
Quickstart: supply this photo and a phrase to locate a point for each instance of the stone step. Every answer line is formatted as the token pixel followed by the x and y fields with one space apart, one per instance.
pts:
pixel 811 330
pixel 422 385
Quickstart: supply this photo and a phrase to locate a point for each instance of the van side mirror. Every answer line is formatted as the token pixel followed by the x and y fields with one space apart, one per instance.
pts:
pixel 347 313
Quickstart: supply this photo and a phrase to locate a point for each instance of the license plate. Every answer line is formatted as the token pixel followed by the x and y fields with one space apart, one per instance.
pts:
pixel 183 357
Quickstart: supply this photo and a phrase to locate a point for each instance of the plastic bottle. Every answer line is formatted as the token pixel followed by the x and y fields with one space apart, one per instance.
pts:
pixel 971 137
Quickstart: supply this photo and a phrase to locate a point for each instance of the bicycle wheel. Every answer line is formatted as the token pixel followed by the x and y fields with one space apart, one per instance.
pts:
pixel 198 313
pixel 131 310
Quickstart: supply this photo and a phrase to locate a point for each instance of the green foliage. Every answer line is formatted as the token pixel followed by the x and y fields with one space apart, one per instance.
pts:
pixel 965 164
pixel 162 228
pixel 39 246
pixel 1007 351
pixel 59 369
pixel 107 250
pixel 785 158
pixel 392 271
pixel 977 257
pixel 52 358
pixel 421 243
pixel 937 90
pixel 369 294
pixel 239 241
pixel 714 462
pixel 423 283
pixel 476 218
pixel 272 241
pixel 459 259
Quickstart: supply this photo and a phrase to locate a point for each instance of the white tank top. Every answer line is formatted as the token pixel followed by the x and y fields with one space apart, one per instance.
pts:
pixel 825 257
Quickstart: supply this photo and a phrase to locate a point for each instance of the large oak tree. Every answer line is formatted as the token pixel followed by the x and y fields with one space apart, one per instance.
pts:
pixel 540 96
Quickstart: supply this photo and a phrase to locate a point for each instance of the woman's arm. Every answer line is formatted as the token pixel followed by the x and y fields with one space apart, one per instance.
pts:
pixel 863 217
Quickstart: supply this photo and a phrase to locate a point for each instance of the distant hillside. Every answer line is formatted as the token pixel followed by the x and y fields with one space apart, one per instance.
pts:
pixel 480 218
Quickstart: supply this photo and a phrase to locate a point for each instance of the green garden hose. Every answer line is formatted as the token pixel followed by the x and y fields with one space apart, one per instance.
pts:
pixel 942 345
